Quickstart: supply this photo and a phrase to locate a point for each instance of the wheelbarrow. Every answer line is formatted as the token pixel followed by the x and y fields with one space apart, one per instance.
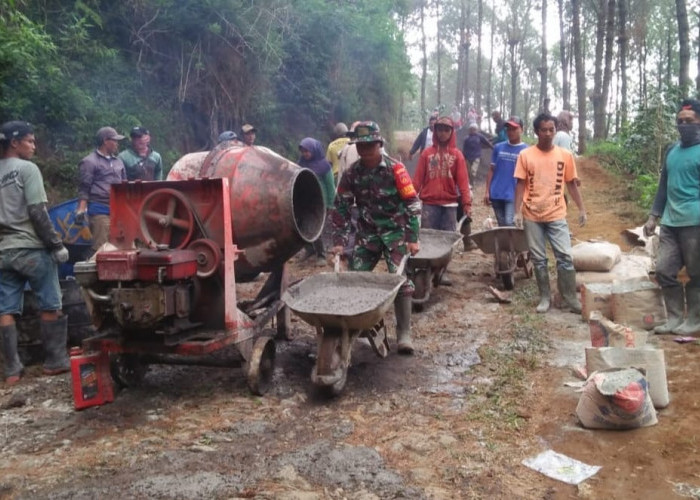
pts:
pixel 509 246
pixel 427 266
pixel 343 307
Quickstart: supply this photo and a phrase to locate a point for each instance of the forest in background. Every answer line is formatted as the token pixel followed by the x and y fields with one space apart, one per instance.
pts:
pixel 188 70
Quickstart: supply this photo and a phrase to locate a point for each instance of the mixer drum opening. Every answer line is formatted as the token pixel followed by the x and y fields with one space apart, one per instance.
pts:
pixel 309 214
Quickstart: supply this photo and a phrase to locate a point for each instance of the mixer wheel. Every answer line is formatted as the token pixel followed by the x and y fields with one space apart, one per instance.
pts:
pixel 128 370
pixel 166 218
pixel 261 366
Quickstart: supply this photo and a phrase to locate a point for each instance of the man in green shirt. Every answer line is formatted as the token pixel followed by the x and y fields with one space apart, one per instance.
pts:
pixel 30 250
pixel 139 159
pixel 677 203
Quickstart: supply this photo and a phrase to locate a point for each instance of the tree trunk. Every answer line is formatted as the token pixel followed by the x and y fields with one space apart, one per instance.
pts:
pixel 489 91
pixel 684 46
pixel 607 71
pixel 623 42
pixel 543 62
pixel 597 96
pixel 565 86
pixel 512 46
pixel 424 64
pixel 460 84
pixel 439 52
pixel 477 91
pixel 580 74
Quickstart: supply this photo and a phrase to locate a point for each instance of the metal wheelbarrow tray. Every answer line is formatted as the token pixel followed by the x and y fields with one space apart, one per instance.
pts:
pixel 509 245
pixel 342 306
pixel 429 264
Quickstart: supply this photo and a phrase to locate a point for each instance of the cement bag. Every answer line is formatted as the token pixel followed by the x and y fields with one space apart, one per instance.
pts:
pixel 616 399
pixel 596 297
pixel 647 358
pixel 605 333
pixel 595 256
pixel 630 268
pixel 638 304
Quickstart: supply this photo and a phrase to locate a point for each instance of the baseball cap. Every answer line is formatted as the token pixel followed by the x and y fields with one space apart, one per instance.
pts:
pixel 108 133
pixel 227 135
pixel 515 121
pixel 366 132
pixel 139 132
pixel 247 128
pixel 15 129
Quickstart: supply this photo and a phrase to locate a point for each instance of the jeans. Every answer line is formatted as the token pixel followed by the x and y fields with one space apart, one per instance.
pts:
pixel 34 265
pixel 439 217
pixel 678 246
pixel 557 232
pixel 504 211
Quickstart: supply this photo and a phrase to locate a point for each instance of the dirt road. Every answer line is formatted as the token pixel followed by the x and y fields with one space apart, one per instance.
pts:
pixel 484 391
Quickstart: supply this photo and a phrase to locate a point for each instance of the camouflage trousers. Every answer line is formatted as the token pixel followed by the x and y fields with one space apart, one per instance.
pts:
pixel 369 249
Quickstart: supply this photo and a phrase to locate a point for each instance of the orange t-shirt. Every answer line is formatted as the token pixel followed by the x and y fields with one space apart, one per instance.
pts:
pixel 545 174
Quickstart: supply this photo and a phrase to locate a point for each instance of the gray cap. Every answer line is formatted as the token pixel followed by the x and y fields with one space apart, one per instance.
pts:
pixel 108 133
pixel 227 135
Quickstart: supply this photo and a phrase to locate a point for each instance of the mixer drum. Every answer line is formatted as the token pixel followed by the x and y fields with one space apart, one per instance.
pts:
pixel 276 206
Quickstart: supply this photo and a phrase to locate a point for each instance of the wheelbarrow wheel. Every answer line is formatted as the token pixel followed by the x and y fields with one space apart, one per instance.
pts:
pixel 504 266
pixel 261 366
pixel 128 370
pixel 328 361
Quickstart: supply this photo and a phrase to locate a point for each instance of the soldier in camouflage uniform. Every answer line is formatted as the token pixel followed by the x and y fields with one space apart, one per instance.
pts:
pixel 389 214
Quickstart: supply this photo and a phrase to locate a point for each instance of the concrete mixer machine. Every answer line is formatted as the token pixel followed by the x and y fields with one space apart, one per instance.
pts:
pixel 166 290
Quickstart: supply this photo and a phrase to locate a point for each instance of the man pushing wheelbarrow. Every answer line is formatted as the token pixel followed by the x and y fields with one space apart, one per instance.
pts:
pixel 388 223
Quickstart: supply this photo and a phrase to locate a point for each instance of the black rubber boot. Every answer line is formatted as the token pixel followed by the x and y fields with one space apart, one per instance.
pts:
pixel 674 300
pixel 13 366
pixel 402 311
pixel 54 336
pixel 566 282
pixel 691 325
pixel 542 278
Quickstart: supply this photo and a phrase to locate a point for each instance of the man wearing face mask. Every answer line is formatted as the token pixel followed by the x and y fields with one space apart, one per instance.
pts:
pixel 677 203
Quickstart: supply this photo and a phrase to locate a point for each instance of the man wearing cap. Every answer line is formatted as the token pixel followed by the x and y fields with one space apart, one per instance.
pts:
pixel 97 172
pixel 500 183
pixel 471 149
pixel 425 138
pixel 677 204
pixel 441 179
pixel 30 250
pixel 248 132
pixel 543 171
pixel 388 222
pixel 140 161
pixel 227 135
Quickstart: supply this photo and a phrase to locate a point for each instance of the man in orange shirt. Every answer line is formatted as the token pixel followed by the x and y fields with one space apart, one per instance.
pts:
pixel 542 172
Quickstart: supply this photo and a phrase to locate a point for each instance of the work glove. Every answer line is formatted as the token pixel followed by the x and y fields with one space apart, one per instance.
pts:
pixel 81 217
pixel 60 255
pixel 518 220
pixel 650 226
pixel 582 219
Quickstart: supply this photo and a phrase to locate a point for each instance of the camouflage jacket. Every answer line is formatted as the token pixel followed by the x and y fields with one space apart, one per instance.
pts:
pixel 382 211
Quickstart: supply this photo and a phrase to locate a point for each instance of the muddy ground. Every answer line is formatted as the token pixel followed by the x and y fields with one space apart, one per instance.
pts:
pixel 484 391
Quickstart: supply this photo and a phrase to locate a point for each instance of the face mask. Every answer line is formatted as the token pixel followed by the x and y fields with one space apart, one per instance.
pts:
pixel 690 133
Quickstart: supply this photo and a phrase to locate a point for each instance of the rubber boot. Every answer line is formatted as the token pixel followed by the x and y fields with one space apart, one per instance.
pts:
pixel 674 301
pixel 691 325
pixel 566 283
pixel 13 366
pixel 542 277
pixel 53 337
pixel 402 311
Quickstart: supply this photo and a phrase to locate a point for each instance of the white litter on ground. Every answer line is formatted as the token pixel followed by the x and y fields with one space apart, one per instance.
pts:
pixel 561 467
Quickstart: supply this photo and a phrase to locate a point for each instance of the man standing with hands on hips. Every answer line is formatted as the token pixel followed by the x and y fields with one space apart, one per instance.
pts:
pixel 388 222
pixel 542 172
